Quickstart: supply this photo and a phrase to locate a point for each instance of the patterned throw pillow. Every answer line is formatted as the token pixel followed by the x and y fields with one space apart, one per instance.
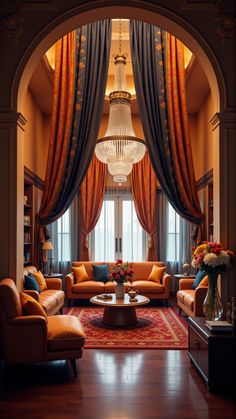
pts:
pixel 80 274
pixel 40 280
pixel 156 273
pixel 100 272
pixel 31 283
pixel 199 277
pixel 31 307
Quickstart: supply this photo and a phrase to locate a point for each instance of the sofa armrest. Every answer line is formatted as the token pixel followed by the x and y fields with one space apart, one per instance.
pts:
pixel 32 293
pixel 165 280
pixel 26 340
pixel 69 282
pixel 54 283
pixel 199 297
pixel 186 283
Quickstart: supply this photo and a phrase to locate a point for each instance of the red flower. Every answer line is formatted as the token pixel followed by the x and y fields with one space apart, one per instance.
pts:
pixel 117 276
pixel 119 261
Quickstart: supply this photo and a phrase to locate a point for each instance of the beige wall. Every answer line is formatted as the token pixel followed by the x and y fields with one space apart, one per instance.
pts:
pixel 202 139
pixel 36 137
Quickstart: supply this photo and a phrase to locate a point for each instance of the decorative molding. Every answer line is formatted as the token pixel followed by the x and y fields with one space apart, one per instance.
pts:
pixel 12 26
pixel 42 5
pixel 200 4
pixel 226 28
pixel 226 118
pixel 33 178
pixel 205 180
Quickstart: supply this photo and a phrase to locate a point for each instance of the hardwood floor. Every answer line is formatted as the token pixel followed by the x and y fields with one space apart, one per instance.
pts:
pixel 111 384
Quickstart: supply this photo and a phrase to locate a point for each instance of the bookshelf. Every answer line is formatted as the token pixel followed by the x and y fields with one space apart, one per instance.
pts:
pixel 28 223
pixel 210 212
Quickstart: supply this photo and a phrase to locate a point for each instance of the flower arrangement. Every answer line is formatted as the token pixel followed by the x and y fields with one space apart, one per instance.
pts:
pixel 120 272
pixel 211 257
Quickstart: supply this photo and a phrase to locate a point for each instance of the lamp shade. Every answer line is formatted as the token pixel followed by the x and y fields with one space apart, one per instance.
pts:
pixel 47 245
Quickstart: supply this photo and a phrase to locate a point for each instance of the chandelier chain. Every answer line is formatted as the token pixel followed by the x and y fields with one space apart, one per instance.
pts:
pixel 120 37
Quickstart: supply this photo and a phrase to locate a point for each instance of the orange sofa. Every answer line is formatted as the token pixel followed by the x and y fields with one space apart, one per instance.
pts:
pixel 190 300
pixel 140 282
pixel 52 299
pixel 35 338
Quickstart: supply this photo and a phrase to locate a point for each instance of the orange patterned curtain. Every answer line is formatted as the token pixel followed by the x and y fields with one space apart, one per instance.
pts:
pixel 91 199
pixel 144 190
pixel 179 128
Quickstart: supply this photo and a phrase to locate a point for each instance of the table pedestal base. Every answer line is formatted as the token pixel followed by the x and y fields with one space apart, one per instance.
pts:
pixel 119 316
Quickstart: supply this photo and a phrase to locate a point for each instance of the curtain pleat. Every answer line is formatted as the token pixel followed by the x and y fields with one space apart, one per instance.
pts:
pixel 158 68
pixel 91 199
pixel 144 190
pixel 82 59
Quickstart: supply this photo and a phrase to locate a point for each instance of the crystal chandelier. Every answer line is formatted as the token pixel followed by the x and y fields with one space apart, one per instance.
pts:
pixel 120 148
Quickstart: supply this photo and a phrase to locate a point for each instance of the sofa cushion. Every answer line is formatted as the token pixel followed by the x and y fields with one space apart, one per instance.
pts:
pixel 88 287
pixel 81 274
pixel 31 307
pixel 40 280
pixel 148 287
pixel 110 286
pixel 48 299
pixel 199 277
pixel 30 283
pixel 64 333
pixel 189 298
pixel 142 270
pixel 100 272
pixel 156 274
pixel 180 295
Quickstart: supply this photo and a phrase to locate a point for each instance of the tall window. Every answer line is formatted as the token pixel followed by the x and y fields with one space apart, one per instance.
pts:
pixel 63 237
pixel 173 234
pixel 118 233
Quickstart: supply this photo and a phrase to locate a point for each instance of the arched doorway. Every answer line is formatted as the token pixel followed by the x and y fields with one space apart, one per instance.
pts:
pixel 154 14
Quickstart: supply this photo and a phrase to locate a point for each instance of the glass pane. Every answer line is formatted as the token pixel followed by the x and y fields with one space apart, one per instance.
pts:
pixel 63 237
pixel 132 233
pixel 105 233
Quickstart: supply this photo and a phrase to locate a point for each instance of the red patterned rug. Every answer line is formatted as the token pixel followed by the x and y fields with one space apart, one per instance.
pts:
pixel 157 328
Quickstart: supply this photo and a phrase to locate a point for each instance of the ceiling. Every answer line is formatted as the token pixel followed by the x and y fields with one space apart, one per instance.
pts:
pixel 41 83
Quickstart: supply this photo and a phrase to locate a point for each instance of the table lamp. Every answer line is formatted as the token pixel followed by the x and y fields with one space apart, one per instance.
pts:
pixel 48 247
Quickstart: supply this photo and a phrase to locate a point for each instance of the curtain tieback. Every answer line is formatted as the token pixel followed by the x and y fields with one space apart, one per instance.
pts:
pixel 86 238
pixel 150 241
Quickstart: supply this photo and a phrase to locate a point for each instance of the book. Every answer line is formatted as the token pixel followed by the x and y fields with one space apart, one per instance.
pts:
pixel 104 296
pixel 219 326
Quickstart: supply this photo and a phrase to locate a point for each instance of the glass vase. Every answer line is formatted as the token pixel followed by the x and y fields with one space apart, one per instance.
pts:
pixel 120 291
pixel 212 305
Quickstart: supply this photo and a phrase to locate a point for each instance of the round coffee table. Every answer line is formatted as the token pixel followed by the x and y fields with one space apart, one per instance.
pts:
pixel 120 312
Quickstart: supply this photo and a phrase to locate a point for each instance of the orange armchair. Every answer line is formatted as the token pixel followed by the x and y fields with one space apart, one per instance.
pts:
pixel 190 300
pixel 34 338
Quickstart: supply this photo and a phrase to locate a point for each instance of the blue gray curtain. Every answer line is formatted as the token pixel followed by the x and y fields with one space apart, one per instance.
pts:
pixel 160 98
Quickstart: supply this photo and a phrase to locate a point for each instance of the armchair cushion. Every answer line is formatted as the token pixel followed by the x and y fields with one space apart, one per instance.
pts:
pixel 199 277
pixel 100 272
pixel 156 273
pixel 31 307
pixel 31 283
pixel 80 273
pixel 40 280
pixel 204 282
pixel 65 333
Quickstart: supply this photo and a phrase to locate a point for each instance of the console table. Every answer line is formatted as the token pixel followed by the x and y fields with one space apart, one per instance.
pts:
pixel 213 354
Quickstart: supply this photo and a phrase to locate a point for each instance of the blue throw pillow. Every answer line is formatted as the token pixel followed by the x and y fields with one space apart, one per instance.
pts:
pixel 31 283
pixel 100 272
pixel 199 277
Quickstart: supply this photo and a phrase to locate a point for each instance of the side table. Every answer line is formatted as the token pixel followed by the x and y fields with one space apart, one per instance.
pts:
pixel 178 277
pixel 213 355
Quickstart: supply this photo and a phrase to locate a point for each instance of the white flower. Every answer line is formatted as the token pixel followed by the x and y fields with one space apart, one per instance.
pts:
pixel 195 263
pixel 211 259
pixel 224 258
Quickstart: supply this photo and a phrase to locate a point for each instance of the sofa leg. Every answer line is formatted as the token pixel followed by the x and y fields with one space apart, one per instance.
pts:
pixel 180 311
pixel 74 368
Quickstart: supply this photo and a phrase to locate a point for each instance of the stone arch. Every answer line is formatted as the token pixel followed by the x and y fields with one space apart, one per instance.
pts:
pixel 155 15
